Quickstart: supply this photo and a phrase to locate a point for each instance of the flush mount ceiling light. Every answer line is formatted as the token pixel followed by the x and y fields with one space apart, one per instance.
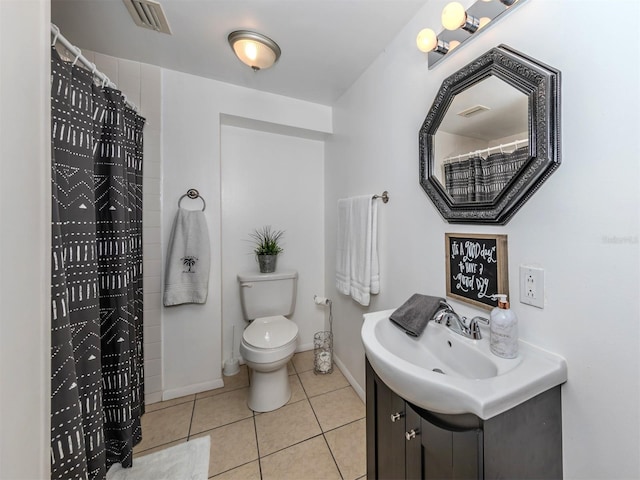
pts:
pixel 254 49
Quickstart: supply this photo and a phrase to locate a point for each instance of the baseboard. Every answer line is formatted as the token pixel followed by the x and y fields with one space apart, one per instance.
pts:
pixel 359 390
pixel 352 381
pixel 191 389
pixel 305 347
pixel 154 397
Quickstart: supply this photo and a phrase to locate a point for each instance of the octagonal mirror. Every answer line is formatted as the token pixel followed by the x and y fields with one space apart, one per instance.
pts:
pixel 491 137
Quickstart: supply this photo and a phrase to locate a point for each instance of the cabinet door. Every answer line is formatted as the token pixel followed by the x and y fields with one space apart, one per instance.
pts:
pixel 390 436
pixel 467 454
pixel 443 452
pixel 385 430
pixel 415 446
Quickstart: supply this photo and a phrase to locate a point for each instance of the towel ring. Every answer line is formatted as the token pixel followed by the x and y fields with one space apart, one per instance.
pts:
pixel 192 193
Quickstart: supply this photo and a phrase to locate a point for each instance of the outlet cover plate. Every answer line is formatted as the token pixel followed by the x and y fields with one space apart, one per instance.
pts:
pixel 532 286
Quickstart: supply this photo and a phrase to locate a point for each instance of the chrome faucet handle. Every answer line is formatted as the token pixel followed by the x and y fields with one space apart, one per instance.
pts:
pixel 455 323
pixel 474 328
pixel 482 320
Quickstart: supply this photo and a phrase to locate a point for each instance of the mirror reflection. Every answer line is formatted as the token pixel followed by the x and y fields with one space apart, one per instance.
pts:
pixel 491 137
pixel 482 141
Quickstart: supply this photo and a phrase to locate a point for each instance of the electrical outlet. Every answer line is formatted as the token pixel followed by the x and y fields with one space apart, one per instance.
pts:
pixel 532 286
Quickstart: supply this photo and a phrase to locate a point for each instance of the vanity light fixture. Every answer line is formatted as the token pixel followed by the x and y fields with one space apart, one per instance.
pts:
pixel 461 25
pixel 427 41
pixel 254 49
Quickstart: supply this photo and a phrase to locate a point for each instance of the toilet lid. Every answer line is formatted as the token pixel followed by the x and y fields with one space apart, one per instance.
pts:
pixel 270 332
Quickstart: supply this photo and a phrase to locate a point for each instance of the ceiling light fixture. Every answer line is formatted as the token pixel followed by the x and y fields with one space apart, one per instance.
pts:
pixel 254 49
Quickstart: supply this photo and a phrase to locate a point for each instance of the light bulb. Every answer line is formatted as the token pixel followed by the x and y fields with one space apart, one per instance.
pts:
pixel 483 21
pixel 251 50
pixel 453 16
pixel 426 40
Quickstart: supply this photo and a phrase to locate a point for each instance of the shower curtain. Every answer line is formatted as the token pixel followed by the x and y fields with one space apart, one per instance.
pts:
pixel 96 295
pixel 478 179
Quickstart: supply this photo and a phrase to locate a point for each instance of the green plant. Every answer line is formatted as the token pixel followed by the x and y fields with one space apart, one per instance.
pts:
pixel 266 241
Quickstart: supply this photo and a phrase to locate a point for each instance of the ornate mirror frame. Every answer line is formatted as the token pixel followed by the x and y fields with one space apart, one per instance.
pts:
pixel 541 84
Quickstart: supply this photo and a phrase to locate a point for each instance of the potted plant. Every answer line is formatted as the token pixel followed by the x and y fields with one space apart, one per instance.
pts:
pixel 267 247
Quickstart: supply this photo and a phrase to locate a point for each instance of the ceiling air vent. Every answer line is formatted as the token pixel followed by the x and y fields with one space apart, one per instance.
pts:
pixel 475 110
pixel 148 14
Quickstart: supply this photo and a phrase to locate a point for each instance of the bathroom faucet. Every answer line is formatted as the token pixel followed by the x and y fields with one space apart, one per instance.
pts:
pixel 460 325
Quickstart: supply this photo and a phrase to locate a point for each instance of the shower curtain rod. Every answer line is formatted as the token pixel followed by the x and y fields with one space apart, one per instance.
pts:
pixel 485 150
pixel 59 37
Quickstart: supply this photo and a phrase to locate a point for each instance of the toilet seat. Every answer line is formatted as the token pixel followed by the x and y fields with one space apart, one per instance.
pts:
pixel 270 332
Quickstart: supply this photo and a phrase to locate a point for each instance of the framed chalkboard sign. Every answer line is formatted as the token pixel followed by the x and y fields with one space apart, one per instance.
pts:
pixel 477 267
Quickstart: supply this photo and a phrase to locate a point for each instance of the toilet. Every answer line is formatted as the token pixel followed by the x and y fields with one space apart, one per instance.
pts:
pixel 270 340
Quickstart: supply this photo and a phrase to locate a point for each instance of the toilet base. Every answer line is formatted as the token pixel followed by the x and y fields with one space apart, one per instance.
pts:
pixel 268 390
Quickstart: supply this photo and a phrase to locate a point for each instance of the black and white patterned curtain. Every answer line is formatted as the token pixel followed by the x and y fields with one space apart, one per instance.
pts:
pixel 97 394
pixel 463 178
pixel 479 179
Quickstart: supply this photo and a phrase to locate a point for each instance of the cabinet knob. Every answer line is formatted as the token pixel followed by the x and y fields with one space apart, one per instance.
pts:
pixel 396 416
pixel 411 434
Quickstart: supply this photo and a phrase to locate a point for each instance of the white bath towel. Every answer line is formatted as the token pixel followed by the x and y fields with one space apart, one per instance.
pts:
pixel 343 262
pixel 188 259
pixel 357 267
pixel 375 265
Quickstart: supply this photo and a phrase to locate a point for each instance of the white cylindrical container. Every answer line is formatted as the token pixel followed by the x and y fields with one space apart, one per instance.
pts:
pixel 503 329
pixel 231 367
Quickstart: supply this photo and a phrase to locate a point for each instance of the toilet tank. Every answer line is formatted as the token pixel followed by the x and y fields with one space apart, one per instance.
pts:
pixel 268 294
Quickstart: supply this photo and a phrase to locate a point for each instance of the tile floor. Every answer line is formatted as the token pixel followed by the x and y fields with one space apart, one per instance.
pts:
pixel 319 434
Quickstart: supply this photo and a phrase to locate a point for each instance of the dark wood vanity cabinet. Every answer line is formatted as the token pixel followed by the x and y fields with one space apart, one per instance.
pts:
pixel 406 441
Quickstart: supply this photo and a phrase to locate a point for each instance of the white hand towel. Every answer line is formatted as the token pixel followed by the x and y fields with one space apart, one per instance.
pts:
pixel 343 264
pixel 188 259
pixel 357 267
pixel 375 265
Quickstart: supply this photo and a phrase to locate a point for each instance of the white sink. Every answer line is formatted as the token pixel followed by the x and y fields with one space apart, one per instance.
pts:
pixel 445 372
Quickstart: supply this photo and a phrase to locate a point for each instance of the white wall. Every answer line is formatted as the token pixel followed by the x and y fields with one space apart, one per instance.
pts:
pixel 581 226
pixel 25 241
pixel 192 112
pixel 277 180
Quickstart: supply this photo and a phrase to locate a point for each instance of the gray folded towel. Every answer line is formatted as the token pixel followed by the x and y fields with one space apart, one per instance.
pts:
pixel 414 314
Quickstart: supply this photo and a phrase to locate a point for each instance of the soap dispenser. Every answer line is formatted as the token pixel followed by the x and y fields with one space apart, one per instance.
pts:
pixel 503 329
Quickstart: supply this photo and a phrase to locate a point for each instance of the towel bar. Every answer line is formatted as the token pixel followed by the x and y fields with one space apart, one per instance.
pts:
pixel 192 193
pixel 384 196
